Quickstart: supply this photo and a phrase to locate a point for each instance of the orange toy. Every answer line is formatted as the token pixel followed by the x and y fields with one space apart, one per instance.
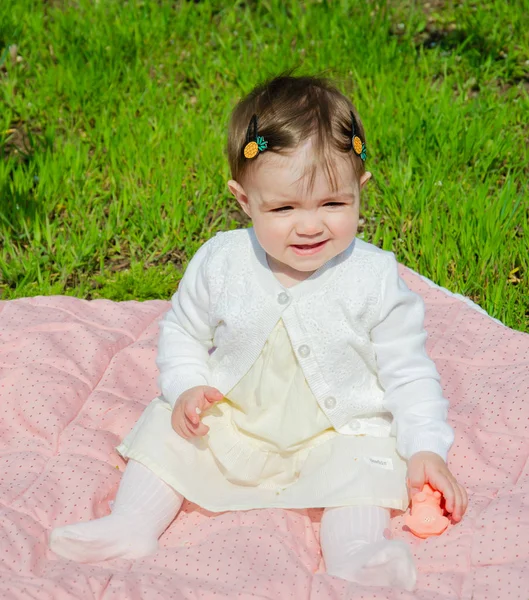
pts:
pixel 426 515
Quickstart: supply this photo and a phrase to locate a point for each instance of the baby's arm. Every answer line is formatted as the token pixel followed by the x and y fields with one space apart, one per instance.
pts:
pixel 186 333
pixel 413 393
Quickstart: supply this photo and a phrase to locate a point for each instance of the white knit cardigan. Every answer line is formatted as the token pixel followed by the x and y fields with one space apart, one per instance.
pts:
pixel 356 328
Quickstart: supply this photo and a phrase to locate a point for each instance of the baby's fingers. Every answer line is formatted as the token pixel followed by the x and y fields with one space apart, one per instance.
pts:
pixel 201 430
pixel 183 429
pixel 191 412
pixel 456 507
pixel 211 395
pixel 465 499
pixel 452 494
pixel 460 502
pixel 196 428
pixel 441 482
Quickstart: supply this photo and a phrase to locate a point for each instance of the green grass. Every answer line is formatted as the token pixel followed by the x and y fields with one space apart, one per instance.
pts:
pixel 113 120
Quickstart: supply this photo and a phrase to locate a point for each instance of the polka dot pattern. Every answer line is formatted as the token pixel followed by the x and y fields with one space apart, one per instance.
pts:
pixel 74 377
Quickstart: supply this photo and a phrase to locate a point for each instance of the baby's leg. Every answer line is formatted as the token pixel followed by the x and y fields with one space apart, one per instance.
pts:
pixel 354 548
pixel 143 508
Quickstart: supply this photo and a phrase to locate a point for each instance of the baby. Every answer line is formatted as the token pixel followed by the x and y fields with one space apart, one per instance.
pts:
pixel 292 361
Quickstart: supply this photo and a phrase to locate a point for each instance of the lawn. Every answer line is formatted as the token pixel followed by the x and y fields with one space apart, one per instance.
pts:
pixel 113 122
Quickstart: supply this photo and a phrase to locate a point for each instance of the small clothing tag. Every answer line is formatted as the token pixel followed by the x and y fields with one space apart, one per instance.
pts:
pixel 378 461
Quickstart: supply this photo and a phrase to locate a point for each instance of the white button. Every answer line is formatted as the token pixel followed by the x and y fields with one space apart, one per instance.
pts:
pixel 304 351
pixel 283 298
pixel 354 424
pixel 330 402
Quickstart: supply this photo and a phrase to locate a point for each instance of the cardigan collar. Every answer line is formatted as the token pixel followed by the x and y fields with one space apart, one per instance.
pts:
pixel 314 282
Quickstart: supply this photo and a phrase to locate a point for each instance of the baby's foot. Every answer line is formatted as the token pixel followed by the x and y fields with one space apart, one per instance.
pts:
pixel 385 563
pixel 101 539
pixel 388 563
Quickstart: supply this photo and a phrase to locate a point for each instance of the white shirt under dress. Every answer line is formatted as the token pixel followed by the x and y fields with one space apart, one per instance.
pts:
pixel 279 438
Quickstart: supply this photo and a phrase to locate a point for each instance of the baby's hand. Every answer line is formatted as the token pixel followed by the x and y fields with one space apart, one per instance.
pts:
pixel 429 467
pixel 185 418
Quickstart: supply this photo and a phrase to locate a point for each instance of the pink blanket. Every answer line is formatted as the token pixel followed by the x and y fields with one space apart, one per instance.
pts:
pixel 74 377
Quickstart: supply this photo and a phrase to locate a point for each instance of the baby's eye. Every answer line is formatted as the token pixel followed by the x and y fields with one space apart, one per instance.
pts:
pixel 281 209
pixel 334 204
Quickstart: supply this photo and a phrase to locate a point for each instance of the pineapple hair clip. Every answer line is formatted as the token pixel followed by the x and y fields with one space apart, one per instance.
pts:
pixel 358 145
pixel 254 143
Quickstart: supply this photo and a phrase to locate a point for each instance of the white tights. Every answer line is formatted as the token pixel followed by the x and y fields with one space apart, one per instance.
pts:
pixel 143 509
pixel 354 548
pixel 352 537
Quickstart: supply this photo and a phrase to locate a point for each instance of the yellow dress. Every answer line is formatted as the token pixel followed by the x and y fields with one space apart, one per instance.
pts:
pixel 269 445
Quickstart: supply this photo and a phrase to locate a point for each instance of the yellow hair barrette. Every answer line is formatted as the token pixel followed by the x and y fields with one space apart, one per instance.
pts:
pixel 356 142
pixel 254 143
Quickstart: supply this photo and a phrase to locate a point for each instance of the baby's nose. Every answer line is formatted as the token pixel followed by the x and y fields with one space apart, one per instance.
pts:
pixel 310 226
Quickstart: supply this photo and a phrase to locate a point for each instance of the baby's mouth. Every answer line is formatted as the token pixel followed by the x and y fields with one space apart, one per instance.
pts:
pixel 308 249
pixel 307 246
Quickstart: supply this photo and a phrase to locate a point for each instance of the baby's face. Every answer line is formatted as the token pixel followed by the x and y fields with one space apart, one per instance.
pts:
pixel 299 228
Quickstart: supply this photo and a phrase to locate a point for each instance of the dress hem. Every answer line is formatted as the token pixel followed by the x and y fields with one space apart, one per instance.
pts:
pixel 395 504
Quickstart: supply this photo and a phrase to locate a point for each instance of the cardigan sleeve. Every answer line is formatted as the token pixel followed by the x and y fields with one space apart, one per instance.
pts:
pixel 413 393
pixel 186 334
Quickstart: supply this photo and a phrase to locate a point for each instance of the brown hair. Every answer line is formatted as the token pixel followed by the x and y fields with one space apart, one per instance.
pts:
pixel 290 110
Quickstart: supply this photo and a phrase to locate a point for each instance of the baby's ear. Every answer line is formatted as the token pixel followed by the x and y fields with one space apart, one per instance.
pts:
pixel 238 191
pixel 365 178
pixel 235 188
